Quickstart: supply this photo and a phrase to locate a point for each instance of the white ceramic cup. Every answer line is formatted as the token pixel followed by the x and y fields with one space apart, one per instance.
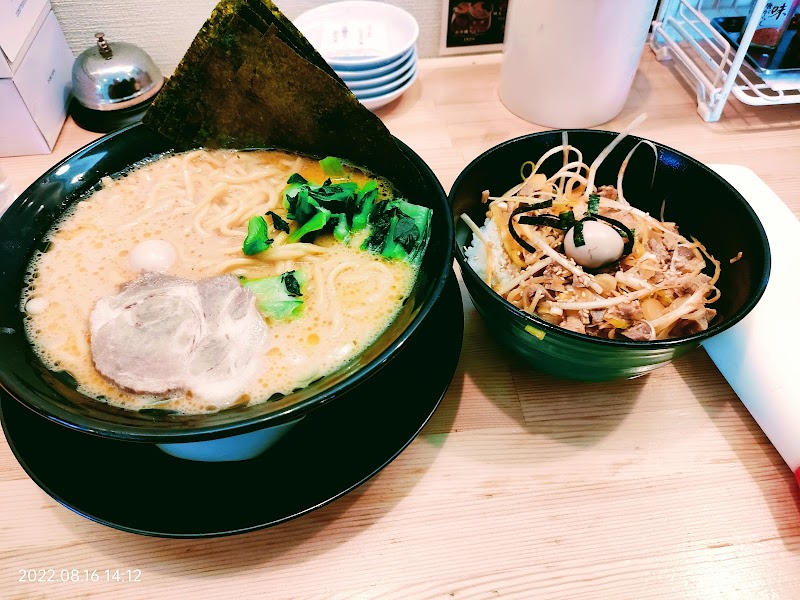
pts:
pixel 571 63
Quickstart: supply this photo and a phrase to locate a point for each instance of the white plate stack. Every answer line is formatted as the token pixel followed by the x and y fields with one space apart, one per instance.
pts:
pixel 371 46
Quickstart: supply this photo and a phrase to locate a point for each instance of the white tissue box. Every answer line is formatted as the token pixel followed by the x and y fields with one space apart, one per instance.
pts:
pixel 33 99
pixel 18 20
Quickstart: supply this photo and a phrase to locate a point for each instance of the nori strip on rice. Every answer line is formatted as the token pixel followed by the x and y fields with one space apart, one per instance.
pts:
pixel 242 86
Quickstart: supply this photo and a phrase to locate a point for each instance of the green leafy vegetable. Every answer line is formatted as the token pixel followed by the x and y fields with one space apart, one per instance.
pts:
pixel 279 297
pixel 364 203
pixel 332 167
pixel 340 230
pixel 278 223
pixel 397 229
pixel 257 239
pixel 289 279
pixel 329 206
pixel 315 206
pixel 316 222
pixel 400 230
pixel 304 209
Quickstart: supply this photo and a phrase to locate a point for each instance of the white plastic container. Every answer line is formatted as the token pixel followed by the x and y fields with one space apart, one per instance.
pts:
pixel 571 63
pixel 18 20
pixel 33 100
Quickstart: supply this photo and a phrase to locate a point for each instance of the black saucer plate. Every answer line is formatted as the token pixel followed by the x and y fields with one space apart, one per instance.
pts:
pixel 136 487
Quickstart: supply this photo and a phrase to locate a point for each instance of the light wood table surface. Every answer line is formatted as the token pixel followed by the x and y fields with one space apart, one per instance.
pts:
pixel 521 486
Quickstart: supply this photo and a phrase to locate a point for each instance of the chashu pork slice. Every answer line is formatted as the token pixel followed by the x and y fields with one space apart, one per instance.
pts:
pixel 163 334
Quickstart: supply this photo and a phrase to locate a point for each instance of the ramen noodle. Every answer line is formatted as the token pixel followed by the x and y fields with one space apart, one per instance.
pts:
pixel 171 233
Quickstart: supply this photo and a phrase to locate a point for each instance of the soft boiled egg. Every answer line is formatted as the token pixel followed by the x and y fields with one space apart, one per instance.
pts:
pixel 603 245
pixel 152 255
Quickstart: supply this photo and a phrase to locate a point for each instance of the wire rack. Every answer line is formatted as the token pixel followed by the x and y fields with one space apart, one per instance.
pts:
pixel 717 65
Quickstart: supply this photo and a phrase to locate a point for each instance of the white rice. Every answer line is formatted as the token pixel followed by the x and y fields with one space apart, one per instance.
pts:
pixel 503 270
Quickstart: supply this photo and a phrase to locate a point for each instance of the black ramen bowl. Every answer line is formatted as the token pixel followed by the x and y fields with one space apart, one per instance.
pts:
pixel 54 395
pixel 702 204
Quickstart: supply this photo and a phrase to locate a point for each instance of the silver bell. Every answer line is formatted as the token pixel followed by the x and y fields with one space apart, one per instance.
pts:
pixel 113 84
pixel 114 75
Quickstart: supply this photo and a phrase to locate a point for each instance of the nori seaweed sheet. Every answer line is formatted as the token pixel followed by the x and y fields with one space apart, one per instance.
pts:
pixel 251 80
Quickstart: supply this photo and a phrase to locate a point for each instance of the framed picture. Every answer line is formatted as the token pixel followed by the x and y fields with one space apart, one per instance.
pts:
pixel 470 27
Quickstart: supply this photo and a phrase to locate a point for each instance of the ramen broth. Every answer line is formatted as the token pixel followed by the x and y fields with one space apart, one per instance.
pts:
pixel 199 203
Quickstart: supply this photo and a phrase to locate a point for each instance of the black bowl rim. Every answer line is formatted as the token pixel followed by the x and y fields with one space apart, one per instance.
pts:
pixel 696 338
pixel 95 426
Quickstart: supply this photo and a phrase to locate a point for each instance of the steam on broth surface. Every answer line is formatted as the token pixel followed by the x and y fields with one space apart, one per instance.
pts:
pixel 186 215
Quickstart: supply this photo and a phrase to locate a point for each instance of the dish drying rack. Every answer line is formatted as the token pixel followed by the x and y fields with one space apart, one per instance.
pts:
pixel 718 67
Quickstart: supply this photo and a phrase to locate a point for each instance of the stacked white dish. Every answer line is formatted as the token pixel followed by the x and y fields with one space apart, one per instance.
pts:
pixel 371 46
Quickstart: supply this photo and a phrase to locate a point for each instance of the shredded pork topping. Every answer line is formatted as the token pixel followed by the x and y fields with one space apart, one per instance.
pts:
pixel 660 289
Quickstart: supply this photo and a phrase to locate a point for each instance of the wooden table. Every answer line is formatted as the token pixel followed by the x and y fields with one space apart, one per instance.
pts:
pixel 521 486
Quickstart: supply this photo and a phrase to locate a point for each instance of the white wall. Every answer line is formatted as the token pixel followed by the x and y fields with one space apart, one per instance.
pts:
pixel 165 28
